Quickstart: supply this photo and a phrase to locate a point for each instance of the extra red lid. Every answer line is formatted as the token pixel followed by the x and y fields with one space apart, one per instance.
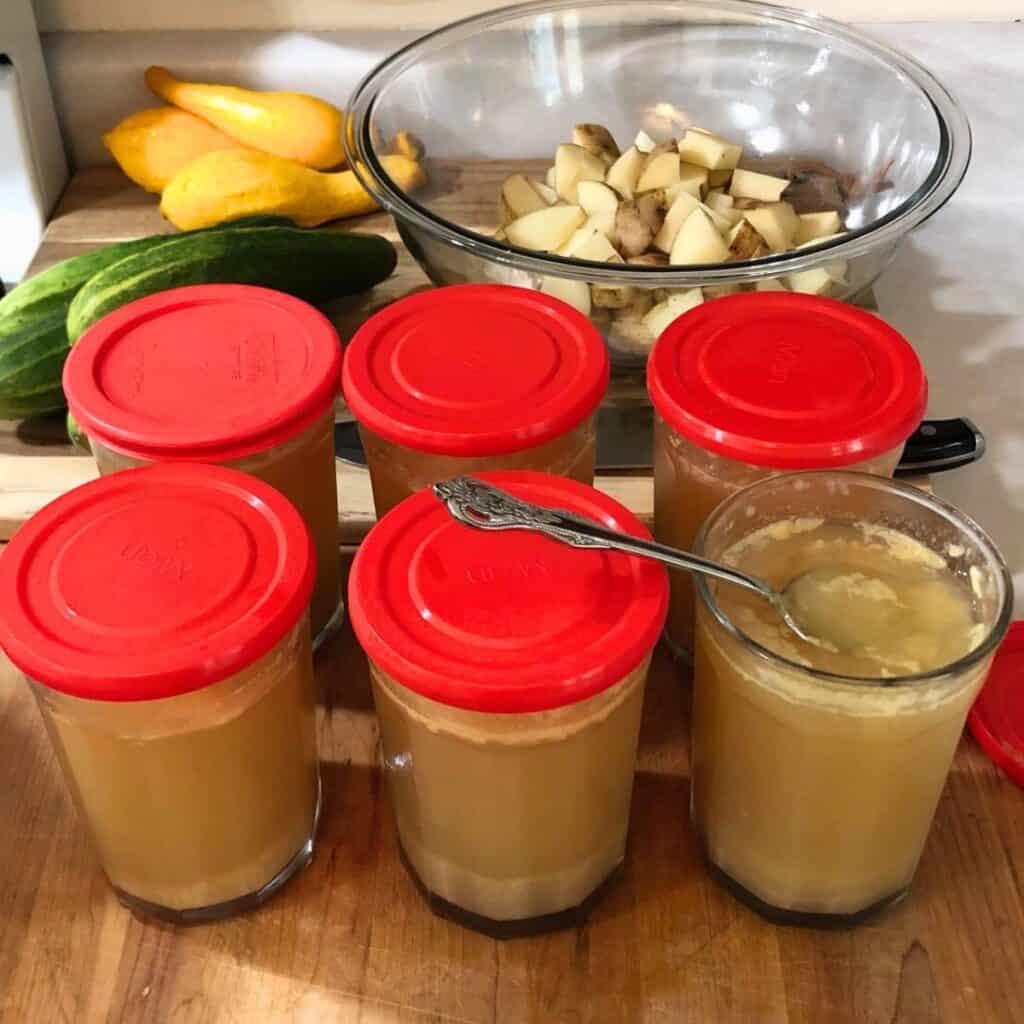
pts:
pixel 213 372
pixel 153 582
pixel 475 369
pixel 504 622
pixel 788 381
pixel 997 718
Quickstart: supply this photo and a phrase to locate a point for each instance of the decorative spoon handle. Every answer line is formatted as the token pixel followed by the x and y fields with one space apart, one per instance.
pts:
pixel 485 507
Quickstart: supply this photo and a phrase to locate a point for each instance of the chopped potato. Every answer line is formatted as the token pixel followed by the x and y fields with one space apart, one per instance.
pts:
pixel 575 293
pixel 708 151
pixel 817 225
pixel 698 241
pixel 753 185
pixel 625 172
pixel 574 164
pixel 659 204
pixel 545 229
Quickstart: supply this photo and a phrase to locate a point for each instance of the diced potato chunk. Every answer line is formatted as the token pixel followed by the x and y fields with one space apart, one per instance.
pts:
pixel 547 229
pixel 592 244
pixel 548 194
pixel 776 224
pixel 611 296
pixel 684 205
pixel 746 243
pixel 603 221
pixel 769 284
pixel 625 172
pixel 660 171
pixel 631 335
pixel 664 313
pixel 644 142
pixel 698 241
pixel 693 178
pixel 575 293
pixel 596 139
pixel 753 185
pixel 574 164
pixel 817 225
pixel 724 206
pixel 719 179
pixel 708 151
pixel 520 196
pixel 597 197
pixel 819 280
pixel 718 291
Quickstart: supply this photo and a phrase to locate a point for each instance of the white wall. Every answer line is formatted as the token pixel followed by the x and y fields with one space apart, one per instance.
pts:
pixel 125 15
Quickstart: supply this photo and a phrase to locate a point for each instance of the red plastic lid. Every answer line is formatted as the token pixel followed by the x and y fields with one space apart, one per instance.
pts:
pixel 788 381
pixel 504 622
pixel 214 372
pixel 153 582
pixel 475 369
pixel 997 718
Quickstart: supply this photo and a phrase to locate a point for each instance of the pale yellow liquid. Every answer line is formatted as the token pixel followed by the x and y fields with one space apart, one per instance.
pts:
pixel 201 799
pixel 817 796
pixel 689 483
pixel 397 472
pixel 302 469
pixel 511 816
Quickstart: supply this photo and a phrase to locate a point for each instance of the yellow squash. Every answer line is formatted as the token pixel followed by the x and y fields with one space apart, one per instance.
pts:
pixel 235 183
pixel 288 124
pixel 153 145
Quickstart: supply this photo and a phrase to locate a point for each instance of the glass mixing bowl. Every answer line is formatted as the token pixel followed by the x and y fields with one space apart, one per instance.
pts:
pixel 496 94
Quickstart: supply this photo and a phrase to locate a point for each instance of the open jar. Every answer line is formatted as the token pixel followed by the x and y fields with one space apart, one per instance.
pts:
pixel 816 772
pixel 230 374
pixel 757 384
pixel 161 617
pixel 508 676
pixel 470 378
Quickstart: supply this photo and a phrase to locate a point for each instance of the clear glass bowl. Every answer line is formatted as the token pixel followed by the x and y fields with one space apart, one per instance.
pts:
pixel 497 93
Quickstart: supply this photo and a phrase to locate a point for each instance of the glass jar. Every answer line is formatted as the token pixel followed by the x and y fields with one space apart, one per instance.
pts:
pixel 474 377
pixel 508 676
pixel 759 384
pixel 161 618
pixel 814 787
pixel 230 374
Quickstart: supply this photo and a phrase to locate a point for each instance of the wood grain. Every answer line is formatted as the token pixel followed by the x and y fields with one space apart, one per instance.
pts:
pixel 350 940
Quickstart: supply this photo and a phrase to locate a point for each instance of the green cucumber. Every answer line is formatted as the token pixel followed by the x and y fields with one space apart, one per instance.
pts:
pixel 31 360
pixel 312 265
pixel 54 288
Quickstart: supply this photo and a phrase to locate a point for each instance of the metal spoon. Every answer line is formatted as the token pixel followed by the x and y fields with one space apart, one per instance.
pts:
pixel 484 507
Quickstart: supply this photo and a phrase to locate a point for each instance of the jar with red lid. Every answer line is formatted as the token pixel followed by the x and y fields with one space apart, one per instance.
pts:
pixel 235 375
pixel 508 675
pixel 757 384
pixel 161 616
pixel 474 377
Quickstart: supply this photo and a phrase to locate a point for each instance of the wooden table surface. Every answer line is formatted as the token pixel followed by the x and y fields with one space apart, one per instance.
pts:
pixel 350 939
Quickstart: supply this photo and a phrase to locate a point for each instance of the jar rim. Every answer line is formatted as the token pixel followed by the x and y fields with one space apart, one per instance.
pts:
pixel 964 524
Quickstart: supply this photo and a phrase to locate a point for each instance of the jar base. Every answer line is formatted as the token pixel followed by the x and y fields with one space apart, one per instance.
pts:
pixel 333 624
pixel 800 918
pixel 229 908
pixel 571 917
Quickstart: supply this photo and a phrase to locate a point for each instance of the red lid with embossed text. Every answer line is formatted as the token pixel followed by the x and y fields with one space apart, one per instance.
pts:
pixel 997 718
pixel 509 621
pixel 153 582
pixel 786 380
pixel 207 373
pixel 475 369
